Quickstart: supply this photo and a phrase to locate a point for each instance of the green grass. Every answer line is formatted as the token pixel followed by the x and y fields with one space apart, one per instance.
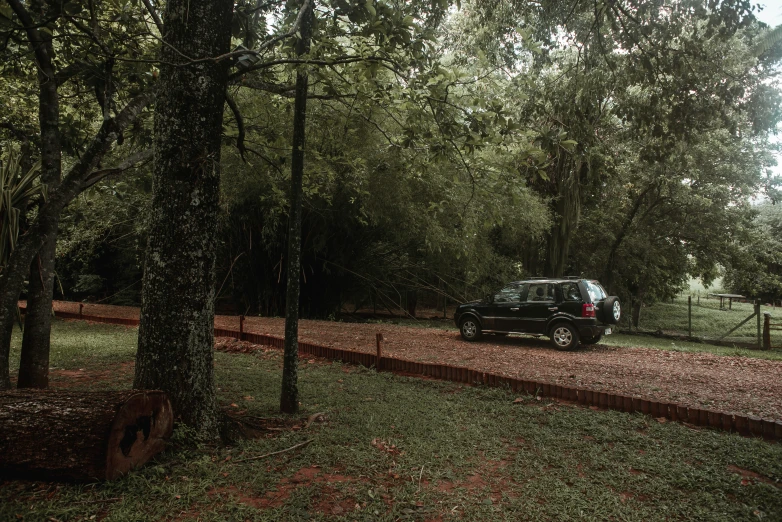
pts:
pixel 707 319
pixel 643 341
pixel 78 345
pixel 461 453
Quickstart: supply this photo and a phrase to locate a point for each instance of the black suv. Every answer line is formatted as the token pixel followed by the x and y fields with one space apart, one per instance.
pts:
pixel 569 310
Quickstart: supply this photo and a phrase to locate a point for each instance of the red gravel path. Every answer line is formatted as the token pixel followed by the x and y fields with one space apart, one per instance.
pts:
pixel 726 383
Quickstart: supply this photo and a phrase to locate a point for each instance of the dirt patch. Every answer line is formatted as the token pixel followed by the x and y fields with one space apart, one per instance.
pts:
pixel 114 374
pixel 727 383
pixel 270 499
pixel 329 500
pixel 749 477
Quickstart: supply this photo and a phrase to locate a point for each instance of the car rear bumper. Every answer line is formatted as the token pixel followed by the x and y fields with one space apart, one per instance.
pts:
pixel 587 331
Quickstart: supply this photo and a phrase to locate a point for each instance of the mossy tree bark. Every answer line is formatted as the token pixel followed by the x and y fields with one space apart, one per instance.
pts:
pixel 177 309
pixel 289 396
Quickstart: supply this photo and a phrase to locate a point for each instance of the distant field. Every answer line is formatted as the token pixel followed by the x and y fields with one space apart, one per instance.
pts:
pixel 696 285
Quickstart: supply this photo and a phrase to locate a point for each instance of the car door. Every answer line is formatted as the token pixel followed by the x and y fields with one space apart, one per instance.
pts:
pixel 504 314
pixel 541 302
pixel 570 299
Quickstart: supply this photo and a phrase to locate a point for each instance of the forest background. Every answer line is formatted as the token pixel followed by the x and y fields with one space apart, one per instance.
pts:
pixel 450 149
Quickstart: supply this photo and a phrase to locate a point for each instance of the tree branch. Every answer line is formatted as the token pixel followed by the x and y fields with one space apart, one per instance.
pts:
pixel 131 161
pixel 18 133
pixel 154 15
pixel 239 124
pixel 37 43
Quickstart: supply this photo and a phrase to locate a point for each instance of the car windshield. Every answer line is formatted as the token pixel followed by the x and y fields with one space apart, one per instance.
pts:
pixel 596 292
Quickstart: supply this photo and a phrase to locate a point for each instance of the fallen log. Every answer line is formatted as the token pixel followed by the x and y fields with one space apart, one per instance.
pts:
pixel 81 435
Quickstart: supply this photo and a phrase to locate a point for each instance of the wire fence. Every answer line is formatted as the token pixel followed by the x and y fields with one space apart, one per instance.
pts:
pixel 712 319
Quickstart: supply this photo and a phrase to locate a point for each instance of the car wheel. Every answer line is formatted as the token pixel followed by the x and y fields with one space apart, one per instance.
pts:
pixel 591 340
pixel 564 336
pixel 470 329
pixel 612 310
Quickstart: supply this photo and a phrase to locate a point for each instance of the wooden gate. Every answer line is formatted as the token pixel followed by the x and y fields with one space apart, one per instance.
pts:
pixel 767 327
pixel 756 313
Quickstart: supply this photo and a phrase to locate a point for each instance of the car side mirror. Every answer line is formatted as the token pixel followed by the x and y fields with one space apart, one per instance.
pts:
pixel 488 298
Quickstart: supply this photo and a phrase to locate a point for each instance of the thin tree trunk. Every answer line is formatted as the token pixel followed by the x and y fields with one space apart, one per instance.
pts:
pixel 177 303
pixel 289 394
pixel 411 301
pixel 637 303
pixel 34 367
pixel 608 273
pixel 34 360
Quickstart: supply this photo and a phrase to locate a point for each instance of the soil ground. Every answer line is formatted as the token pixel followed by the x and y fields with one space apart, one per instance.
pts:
pixel 727 383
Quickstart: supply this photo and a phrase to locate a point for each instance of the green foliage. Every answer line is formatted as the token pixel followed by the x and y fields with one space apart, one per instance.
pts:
pixel 757 268
pixel 17 190
pixel 101 243
pixel 449 151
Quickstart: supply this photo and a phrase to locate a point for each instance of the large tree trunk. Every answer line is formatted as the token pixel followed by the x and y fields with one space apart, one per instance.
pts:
pixel 81 435
pixel 177 302
pixel 289 394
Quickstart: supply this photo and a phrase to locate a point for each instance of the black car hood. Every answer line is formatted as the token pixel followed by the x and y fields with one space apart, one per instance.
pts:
pixel 470 303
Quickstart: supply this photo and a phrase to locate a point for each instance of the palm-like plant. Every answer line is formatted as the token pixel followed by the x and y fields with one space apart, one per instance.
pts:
pixel 16 189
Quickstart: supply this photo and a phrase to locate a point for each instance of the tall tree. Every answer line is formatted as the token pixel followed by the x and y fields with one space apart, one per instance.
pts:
pixel 289 395
pixel 177 308
pixel 34 364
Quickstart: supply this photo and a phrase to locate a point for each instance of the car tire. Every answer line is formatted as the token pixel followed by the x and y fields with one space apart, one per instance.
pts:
pixel 591 340
pixel 470 329
pixel 612 310
pixel 564 336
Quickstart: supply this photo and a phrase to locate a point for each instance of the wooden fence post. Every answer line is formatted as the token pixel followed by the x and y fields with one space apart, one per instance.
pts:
pixel 241 328
pixel 379 342
pixel 689 316
pixel 757 313
pixel 81 308
pixel 766 330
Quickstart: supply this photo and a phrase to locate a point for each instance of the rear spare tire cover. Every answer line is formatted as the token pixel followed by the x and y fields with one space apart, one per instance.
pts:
pixel 612 310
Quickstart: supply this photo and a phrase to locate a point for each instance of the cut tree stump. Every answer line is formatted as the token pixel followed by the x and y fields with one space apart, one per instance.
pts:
pixel 81 435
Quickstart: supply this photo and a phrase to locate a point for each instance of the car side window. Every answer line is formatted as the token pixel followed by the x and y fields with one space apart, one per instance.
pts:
pixel 541 292
pixel 509 294
pixel 570 292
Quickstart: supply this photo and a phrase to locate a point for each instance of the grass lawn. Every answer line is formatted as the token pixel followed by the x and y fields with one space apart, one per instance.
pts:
pixel 630 341
pixel 708 320
pixel 397 448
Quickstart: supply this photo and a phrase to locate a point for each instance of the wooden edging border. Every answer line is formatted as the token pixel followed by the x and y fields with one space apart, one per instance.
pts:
pixel 746 425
